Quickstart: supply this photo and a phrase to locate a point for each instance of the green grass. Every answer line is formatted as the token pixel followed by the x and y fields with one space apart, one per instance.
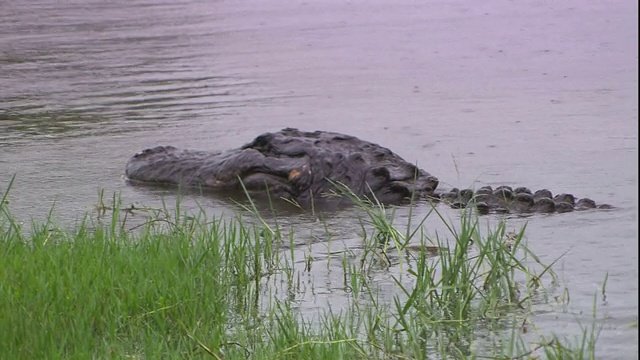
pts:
pixel 153 283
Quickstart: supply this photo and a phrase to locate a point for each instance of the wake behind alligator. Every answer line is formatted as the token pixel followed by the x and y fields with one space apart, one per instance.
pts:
pixel 306 167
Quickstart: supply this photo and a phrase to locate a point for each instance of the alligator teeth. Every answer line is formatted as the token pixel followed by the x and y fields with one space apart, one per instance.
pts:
pixel 293 174
pixel 213 183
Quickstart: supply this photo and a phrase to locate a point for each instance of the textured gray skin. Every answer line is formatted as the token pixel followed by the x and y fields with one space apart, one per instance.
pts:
pixel 504 199
pixel 305 166
pixel 292 164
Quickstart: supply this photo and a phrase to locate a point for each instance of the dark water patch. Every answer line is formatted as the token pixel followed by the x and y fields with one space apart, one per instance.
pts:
pixel 42 123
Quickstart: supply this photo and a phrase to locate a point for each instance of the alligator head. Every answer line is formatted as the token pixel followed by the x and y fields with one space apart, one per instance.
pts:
pixel 291 164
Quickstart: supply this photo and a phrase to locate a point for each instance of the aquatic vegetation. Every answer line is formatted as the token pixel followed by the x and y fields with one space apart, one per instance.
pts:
pixel 133 282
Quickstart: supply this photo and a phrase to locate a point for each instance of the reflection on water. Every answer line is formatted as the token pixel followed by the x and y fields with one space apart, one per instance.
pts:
pixel 529 93
pixel 48 124
pixel 116 64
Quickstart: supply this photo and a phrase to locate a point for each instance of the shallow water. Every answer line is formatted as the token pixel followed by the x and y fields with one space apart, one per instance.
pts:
pixel 540 94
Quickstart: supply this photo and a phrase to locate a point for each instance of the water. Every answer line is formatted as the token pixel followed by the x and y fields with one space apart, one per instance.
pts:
pixel 541 94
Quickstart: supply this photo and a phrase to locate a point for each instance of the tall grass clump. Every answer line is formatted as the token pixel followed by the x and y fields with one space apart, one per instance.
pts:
pixel 104 291
pixel 137 282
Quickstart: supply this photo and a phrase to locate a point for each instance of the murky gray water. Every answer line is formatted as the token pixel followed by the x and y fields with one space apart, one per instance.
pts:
pixel 541 94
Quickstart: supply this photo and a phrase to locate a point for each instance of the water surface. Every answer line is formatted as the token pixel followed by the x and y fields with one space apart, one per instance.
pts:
pixel 529 93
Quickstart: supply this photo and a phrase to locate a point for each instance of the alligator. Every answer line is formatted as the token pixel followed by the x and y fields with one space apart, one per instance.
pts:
pixel 309 167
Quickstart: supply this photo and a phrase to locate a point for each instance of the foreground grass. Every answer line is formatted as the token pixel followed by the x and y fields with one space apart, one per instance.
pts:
pixel 183 286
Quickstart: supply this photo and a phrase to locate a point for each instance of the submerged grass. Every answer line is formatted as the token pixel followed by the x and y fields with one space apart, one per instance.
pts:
pixel 177 285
